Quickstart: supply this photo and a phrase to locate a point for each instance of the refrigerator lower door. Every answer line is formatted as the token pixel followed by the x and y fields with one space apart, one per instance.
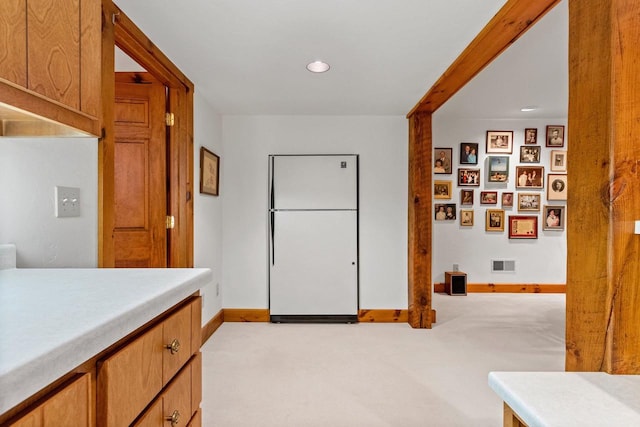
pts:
pixel 314 266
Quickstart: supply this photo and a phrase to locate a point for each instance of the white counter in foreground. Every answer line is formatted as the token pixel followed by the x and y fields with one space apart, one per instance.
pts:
pixel 566 399
pixel 53 320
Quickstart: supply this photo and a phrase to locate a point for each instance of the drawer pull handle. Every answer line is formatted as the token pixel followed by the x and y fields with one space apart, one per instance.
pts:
pixel 175 416
pixel 174 347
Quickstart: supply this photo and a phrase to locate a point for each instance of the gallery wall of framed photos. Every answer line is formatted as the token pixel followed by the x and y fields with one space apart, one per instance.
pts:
pixel 511 176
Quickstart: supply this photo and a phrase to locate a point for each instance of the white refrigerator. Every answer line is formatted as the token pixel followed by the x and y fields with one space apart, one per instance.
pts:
pixel 313 238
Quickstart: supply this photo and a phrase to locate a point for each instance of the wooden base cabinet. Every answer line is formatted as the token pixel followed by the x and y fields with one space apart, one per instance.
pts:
pixel 70 407
pixel 144 373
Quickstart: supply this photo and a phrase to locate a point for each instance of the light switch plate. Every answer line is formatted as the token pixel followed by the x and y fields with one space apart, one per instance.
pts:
pixel 67 202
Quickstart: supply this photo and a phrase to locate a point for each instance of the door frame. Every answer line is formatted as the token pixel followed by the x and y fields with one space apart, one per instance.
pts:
pixel 119 30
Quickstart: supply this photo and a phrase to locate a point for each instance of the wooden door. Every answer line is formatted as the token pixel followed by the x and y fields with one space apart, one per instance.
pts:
pixel 140 172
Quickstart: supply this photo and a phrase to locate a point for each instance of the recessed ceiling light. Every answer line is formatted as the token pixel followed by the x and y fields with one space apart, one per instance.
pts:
pixel 530 108
pixel 318 67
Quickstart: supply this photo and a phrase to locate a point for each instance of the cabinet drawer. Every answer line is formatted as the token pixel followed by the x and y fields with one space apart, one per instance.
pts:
pixel 67 408
pixel 176 338
pixel 174 407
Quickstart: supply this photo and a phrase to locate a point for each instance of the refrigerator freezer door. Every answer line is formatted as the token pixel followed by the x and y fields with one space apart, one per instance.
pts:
pixel 315 182
pixel 313 265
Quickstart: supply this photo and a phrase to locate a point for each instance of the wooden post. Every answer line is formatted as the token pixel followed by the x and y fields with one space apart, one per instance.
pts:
pixel 603 264
pixel 419 232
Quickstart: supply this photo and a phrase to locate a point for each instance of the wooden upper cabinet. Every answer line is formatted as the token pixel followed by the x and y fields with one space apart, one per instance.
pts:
pixel 53 49
pixel 50 50
pixel 13 41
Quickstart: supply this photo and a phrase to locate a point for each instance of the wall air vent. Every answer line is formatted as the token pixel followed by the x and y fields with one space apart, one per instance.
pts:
pixel 503 265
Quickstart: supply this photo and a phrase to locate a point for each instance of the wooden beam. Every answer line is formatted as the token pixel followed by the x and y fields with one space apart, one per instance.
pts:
pixel 511 21
pixel 419 221
pixel 603 266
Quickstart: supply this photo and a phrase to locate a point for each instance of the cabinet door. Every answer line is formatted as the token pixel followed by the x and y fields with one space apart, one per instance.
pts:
pixel 130 379
pixel 70 407
pixel 53 34
pixel 67 408
pixel 13 43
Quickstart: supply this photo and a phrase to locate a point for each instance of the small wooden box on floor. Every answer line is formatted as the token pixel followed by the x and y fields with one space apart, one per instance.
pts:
pixel 455 282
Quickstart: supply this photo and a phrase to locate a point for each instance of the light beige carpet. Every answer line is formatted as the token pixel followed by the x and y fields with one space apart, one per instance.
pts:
pixel 286 375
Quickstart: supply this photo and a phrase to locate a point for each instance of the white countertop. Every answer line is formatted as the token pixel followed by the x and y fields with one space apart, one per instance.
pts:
pixel 53 320
pixel 567 399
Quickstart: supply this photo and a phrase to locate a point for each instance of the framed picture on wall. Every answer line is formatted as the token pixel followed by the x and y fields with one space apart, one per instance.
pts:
pixel 529 202
pixel 488 197
pixel 469 153
pixel 441 189
pixel 530 154
pixel 531 136
pixel 558 161
pixel 507 199
pixel 523 226
pixel 466 217
pixel 469 177
pixel 494 220
pixel 466 197
pixel 445 211
pixel 553 217
pixel 498 168
pixel 557 189
pixel 529 176
pixel 209 172
pixel 555 136
pixel 442 160
pixel 499 141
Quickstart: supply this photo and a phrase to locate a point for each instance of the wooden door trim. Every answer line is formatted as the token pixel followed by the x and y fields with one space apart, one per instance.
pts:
pixel 119 30
pixel 512 21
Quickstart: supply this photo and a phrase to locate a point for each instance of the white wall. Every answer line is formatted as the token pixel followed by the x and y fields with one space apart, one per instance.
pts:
pixel 381 143
pixel 30 168
pixel 537 261
pixel 207 210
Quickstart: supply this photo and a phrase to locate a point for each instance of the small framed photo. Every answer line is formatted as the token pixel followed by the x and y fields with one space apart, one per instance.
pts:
pixel 466 197
pixel 553 217
pixel 489 197
pixel 498 169
pixel 494 220
pixel 530 154
pixel 442 160
pixel 466 217
pixel 507 199
pixel 523 226
pixel 528 202
pixel 470 177
pixel 499 141
pixel 558 161
pixel 445 211
pixel 557 189
pixel 469 153
pixel 530 176
pixel 555 136
pixel 441 189
pixel 209 172
pixel 531 136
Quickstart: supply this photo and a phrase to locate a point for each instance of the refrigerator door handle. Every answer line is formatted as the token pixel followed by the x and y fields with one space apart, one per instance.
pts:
pixel 272 227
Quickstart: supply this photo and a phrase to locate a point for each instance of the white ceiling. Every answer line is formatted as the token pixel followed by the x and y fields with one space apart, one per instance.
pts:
pixel 249 56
